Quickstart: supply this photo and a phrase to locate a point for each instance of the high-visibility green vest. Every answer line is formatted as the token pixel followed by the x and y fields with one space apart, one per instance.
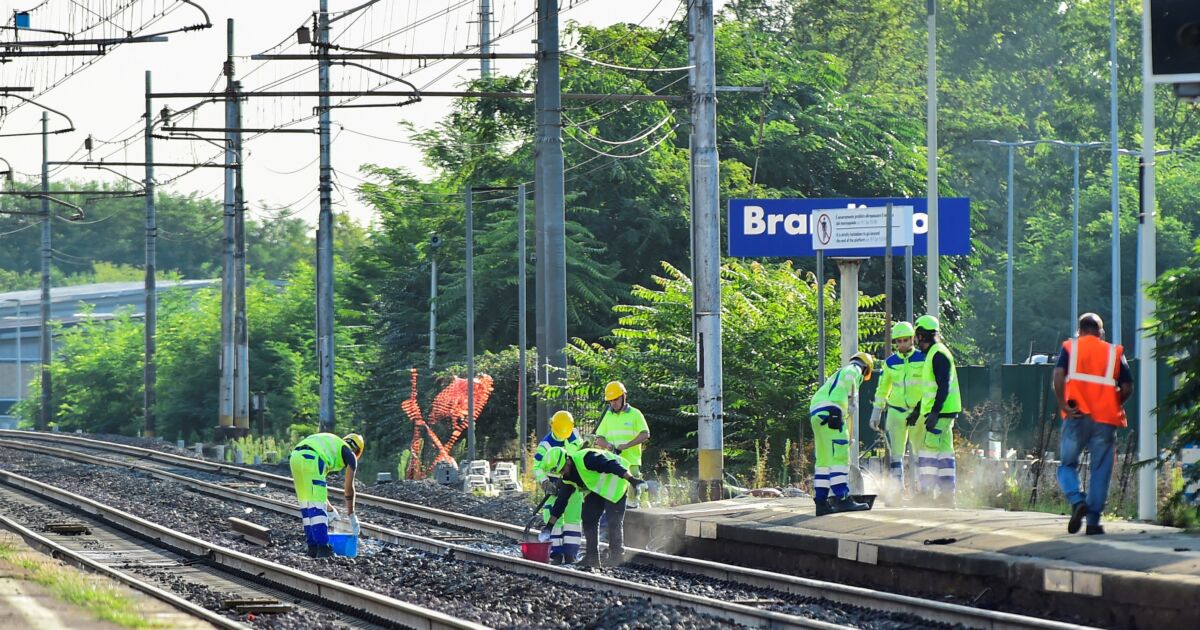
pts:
pixel 607 485
pixel 570 445
pixel 953 402
pixel 838 388
pixel 619 427
pixel 901 383
pixel 328 447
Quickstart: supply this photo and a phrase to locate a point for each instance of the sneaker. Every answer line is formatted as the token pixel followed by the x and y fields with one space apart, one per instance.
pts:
pixel 1094 530
pixel 632 505
pixel 848 504
pixel 823 508
pixel 1078 511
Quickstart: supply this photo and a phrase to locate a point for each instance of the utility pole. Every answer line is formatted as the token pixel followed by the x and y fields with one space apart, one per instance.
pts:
pixel 706 251
pixel 47 415
pixel 433 279
pixel 522 377
pixel 228 293
pixel 149 374
pixel 485 38
pixel 549 207
pixel 470 238
pixel 1147 380
pixel 1114 193
pixel 241 345
pixel 932 279
pixel 325 230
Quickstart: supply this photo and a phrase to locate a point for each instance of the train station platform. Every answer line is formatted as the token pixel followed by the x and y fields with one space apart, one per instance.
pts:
pixel 1134 576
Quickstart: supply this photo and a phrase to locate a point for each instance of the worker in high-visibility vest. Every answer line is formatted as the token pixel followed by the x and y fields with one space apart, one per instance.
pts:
pixel 1092 382
pixel 623 430
pixel 940 405
pixel 568 530
pixel 313 459
pixel 828 414
pixel 897 396
pixel 606 482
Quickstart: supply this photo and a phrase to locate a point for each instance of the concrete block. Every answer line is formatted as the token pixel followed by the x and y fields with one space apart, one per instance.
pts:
pixel 1056 580
pixel 868 554
pixel 1087 584
pixel 692 529
pixel 708 530
pixel 847 550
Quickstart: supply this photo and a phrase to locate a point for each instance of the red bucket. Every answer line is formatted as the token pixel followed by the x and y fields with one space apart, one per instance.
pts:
pixel 536 551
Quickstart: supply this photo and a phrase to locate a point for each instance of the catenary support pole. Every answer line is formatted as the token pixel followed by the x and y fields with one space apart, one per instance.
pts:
pixel 433 290
pixel 1147 381
pixel 1008 266
pixel 1114 194
pixel 470 328
pixel 932 278
pixel 887 283
pixel 908 282
pixel 229 210
pixel 485 38
pixel 47 415
pixel 1074 237
pixel 548 176
pixel 151 289
pixel 522 376
pixel 241 337
pixel 325 232
pixel 849 267
pixel 706 255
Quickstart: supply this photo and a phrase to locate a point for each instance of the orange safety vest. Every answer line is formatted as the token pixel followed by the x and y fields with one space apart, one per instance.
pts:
pixel 1092 372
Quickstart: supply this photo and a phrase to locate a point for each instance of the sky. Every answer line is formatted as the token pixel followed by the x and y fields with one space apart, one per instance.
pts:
pixel 106 100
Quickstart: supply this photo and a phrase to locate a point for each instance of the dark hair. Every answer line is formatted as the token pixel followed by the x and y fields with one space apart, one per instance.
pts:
pixel 926 335
pixel 1089 323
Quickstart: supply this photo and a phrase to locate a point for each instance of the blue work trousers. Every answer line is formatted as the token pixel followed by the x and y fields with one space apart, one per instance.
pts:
pixel 1079 434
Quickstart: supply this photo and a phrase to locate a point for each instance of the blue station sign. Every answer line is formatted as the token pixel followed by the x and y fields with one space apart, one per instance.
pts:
pixel 783 227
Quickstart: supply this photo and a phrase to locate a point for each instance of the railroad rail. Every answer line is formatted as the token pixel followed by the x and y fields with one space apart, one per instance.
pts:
pixel 352 600
pixel 930 610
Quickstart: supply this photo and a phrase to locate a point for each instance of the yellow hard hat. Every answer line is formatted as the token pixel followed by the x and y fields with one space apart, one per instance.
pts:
pixel 868 362
pixel 613 391
pixel 355 442
pixel 562 423
pixel 553 460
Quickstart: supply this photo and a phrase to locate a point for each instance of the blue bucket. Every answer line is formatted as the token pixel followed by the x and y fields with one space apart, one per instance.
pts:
pixel 345 545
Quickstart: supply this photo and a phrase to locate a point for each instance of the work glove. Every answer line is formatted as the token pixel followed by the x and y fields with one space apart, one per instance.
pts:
pixel 616 450
pixel 354 527
pixel 334 515
pixel 636 483
pixel 875 416
pixel 931 424
pixel 913 417
pixel 833 419
pixel 546 533
pixel 549 487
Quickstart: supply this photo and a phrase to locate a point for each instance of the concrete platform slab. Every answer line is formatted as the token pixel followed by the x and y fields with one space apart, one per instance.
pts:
pixel 1136 575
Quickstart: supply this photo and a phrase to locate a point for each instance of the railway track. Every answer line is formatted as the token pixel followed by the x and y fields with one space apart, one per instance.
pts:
pixel 764 589
pixel 164 563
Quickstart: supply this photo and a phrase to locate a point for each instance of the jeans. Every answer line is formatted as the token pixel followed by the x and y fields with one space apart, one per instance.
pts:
pixel 593 506
pixel 1097 438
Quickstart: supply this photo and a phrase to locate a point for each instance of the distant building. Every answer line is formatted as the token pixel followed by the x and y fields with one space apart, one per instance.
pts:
pixel 20 325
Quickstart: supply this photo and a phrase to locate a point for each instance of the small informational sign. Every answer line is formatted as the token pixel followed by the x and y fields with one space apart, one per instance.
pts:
pixel 849 228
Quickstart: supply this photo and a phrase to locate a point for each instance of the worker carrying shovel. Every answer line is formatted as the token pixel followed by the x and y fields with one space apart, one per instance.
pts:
pixel 311 461
pixel 606 482
pixel 568 529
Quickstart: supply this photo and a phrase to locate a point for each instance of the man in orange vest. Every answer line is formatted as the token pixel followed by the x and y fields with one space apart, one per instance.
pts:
pixel 1092 382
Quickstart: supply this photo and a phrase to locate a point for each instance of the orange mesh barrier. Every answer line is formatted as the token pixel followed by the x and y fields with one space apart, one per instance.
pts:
pixel 451 405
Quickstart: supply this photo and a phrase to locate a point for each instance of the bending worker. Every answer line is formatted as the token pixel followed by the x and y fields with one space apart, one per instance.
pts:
pixel 623 430
pixel 568 529
pixel 1092 382
pixel 606 481
pixel 828 413
pixel 313 459
pixel 940 406
pixel 898 395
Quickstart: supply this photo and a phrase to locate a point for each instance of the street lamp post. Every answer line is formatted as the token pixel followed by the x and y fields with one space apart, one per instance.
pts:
pixel 1075 147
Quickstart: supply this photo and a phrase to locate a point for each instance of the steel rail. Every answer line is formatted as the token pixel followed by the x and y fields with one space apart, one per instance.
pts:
pixel 805 587
pixel 366 603
pixel 75 558
pixel 737 613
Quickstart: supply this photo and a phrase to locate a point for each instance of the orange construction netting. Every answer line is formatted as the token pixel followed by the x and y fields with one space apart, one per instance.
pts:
pixel 451 405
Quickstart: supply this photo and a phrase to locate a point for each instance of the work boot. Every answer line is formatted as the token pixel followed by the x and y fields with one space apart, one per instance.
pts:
pixel 312 551
pixel 848 504
pixel 1094 530
pixel 613 559
pixel 591 561
pixel 946 500
pixel 823 507
pixel 323 551
pixel 556 559
pixel 1078 511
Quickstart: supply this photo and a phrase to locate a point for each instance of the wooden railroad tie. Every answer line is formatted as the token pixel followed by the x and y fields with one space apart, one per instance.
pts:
pixel 256 605
pixel 67 528
pixel 251 532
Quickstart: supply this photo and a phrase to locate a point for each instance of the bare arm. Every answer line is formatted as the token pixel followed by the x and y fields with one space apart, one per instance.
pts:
pixel 348 489
pixel 637 439
pixel 1124 391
